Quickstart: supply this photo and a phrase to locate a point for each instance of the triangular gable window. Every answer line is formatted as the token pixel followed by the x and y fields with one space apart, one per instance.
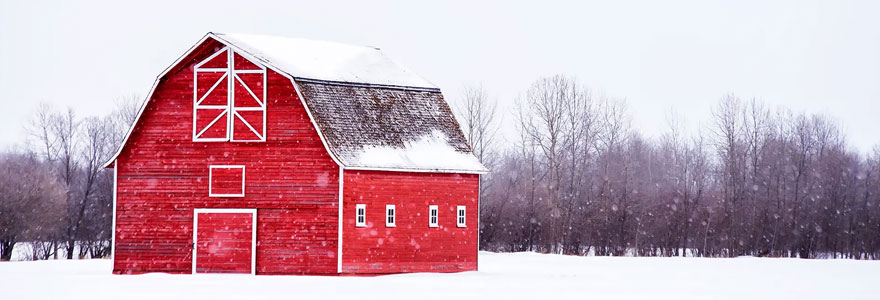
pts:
pixel 229 99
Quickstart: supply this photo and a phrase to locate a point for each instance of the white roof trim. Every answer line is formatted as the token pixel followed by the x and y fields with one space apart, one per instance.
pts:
pixel 415 170
pixel 293 79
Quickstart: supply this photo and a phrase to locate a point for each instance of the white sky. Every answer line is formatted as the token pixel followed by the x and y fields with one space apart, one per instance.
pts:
pixel 662 56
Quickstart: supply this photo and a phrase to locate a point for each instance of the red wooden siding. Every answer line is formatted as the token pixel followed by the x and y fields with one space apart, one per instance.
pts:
pixel 223 243
pixel 411 246
pixel 163 176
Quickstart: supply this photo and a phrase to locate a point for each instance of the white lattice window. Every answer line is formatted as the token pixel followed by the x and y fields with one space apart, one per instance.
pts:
pixel 229 99
pixel 433 216
pixel 360 215
pixel 389 216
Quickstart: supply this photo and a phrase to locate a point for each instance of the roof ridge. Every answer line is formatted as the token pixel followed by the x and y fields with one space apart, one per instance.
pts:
pixel 326 60
pixel 234 34
pixel 367 85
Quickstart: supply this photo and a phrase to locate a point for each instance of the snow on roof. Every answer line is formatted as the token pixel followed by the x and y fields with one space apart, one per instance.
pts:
pixel 382 128
pixel 431 152
pixel 328 61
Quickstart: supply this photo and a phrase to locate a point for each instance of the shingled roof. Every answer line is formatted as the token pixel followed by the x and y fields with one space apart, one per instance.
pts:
pixel 372 112
pixel 369 127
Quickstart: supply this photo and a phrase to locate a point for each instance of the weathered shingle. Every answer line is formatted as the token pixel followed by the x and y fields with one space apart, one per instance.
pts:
pixel 378 127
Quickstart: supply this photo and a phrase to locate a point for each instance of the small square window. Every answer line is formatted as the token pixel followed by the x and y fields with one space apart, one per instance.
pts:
pixel 460 218
pixel 226 181
pixel 389 215
pixel 432 216
pixel 360 215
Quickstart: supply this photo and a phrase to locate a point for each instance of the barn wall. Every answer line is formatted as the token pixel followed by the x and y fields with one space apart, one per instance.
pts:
pixel 411 246
pixel 163 176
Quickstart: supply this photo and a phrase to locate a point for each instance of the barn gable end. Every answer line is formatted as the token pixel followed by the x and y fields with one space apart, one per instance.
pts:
pixel 163 176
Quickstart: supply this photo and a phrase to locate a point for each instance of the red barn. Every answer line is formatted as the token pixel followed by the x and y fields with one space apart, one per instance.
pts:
pixel 270 155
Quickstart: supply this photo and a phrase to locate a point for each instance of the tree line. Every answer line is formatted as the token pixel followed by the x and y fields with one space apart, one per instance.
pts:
pixel 576 179
pixel 55 196
pixel 579 179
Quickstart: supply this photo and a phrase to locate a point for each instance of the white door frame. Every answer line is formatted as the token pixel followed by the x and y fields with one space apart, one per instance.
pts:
pixel 252 211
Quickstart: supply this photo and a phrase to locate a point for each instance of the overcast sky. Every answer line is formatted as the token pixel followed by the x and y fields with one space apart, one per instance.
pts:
pixel 661 56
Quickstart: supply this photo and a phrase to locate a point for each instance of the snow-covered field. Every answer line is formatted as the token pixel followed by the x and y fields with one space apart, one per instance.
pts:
pixel 501 276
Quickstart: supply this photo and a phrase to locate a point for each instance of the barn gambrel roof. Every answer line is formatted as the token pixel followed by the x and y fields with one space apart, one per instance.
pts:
pixel 371 112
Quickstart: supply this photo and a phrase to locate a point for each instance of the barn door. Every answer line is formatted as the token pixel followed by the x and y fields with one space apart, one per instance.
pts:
pixel 224 241
pixel 229 99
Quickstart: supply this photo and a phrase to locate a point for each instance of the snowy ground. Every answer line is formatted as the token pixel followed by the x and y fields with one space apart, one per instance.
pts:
pixel 501 276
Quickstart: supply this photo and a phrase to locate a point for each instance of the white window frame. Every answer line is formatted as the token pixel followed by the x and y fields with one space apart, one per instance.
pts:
pixel 360 215
pixel 433 216
pixel 198 211
pixel 460 216
pixel 230 74
pixel 211 180
pixel 390 214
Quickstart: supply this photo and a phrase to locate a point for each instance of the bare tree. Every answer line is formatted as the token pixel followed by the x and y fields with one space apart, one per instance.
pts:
pixel 729 129
pixel 29 202
pixel 556 116
pixel 477 116
pixel 97 148
pixel 54 136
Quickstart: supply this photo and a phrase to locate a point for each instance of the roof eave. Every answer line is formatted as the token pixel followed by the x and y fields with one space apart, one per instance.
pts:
pixel 417 170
